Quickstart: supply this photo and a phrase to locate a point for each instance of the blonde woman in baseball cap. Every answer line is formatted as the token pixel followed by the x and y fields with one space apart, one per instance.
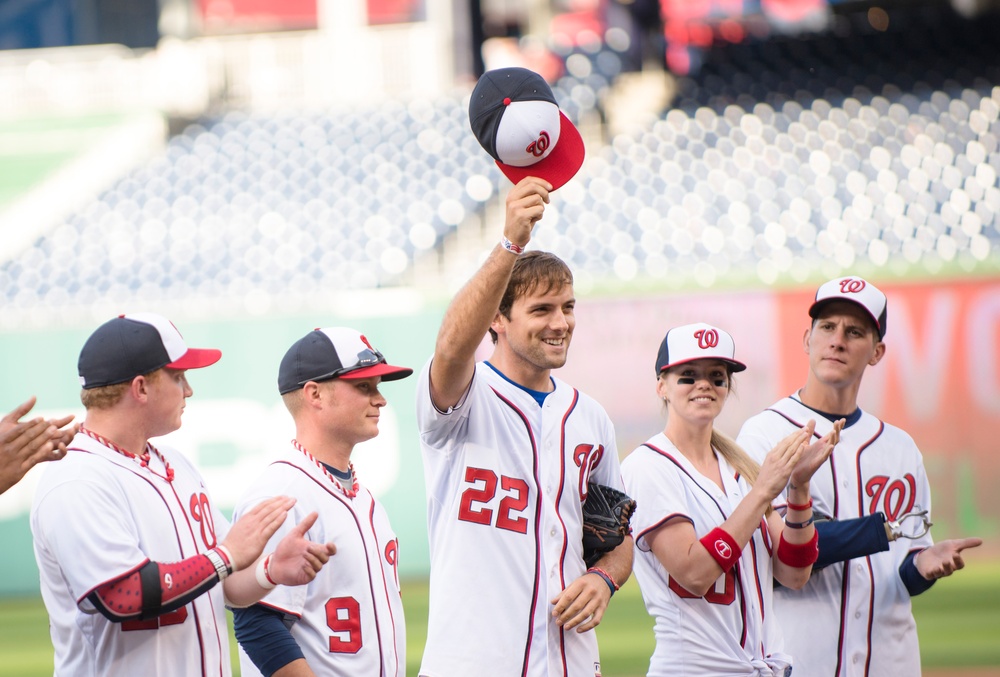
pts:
pixel 707 542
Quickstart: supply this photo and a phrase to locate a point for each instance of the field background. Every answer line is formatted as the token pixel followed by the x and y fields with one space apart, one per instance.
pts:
pixel 959 622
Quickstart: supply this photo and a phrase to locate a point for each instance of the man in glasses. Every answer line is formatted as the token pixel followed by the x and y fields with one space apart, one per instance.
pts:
pixel 349 619
pixel 854 617
pixel 508 450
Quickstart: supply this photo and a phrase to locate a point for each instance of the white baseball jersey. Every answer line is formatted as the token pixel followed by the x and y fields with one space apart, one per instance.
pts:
pixel 852 618
pixel 730 630
pixel 506 481
pixel 97 516
pixel 350 617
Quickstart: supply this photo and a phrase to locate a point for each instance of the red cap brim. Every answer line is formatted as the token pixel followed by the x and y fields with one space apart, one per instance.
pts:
pixel 388 372
pixel 196 358
pixel 560 165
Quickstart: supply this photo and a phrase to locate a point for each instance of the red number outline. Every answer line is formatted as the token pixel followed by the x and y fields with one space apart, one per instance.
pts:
pixel 466 512
pixel 723 597
pixel 511 504
pixel 351 625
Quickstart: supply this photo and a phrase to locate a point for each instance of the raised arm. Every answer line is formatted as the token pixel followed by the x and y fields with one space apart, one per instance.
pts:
pixel 473 309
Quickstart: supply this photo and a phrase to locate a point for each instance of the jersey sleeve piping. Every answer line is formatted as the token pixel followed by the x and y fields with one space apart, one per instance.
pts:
pixel 461 401
pixel 641 536
pixel 279 609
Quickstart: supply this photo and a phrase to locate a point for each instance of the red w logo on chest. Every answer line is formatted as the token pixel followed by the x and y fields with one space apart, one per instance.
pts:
pixel 893 497
pixel 201 512
pixel 586 457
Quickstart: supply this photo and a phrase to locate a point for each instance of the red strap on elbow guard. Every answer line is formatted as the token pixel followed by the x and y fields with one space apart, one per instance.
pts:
pixel 798 555
pixel 722 547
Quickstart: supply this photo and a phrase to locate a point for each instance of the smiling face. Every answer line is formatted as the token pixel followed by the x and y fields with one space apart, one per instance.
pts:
pixel 536 336
pixel 695 392
pixel 841 343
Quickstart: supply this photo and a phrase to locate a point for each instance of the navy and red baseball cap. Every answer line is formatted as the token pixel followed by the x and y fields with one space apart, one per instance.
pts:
pixel 333 352
pixel 134 344
pixel 698 341
pixel 516 119
pixel 857 291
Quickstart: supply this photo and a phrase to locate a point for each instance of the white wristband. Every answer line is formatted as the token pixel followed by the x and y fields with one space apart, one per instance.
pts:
pixel 263 578
pixel 510 246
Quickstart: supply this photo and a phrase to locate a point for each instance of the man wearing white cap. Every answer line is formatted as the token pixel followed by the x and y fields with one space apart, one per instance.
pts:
pixel 854 617
pixel 128 542
pixel 349 619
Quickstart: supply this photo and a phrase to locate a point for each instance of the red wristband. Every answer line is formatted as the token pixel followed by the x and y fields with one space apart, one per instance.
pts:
pixel 722 547
pixel 804 506
pixel 798 555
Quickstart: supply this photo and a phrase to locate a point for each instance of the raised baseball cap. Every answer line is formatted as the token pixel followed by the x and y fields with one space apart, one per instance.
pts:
pixel 855 290
pixel 698 341
pixel 516 119
pixel 334 352
pixel 134 344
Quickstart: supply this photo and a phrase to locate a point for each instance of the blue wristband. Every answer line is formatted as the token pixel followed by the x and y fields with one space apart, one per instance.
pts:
pixel 607 578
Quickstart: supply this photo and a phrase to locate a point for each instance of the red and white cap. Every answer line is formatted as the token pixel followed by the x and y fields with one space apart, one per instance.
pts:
pixel 333 352
pixel 516 119
pixel 134 344
pixel 855 290
pixel 698 341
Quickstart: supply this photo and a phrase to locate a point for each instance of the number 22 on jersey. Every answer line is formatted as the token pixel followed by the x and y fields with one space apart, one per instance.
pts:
pixel 483 490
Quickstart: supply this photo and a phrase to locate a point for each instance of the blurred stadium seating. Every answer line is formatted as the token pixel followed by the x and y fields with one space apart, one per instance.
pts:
pixel 790 155
pixel 781 158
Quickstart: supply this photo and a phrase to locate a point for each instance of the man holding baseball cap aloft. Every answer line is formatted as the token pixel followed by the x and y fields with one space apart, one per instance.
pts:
pixel 508 448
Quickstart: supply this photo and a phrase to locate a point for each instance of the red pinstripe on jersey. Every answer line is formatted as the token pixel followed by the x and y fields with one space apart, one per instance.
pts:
pixel 538 545
pixel 562 523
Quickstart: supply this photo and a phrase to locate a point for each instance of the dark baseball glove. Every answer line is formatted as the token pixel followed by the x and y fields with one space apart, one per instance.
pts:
pixel 606 514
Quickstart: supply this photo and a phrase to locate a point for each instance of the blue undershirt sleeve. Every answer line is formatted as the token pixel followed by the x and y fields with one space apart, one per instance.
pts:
pixel 841 540
pixel 914 582
pixel 265 634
